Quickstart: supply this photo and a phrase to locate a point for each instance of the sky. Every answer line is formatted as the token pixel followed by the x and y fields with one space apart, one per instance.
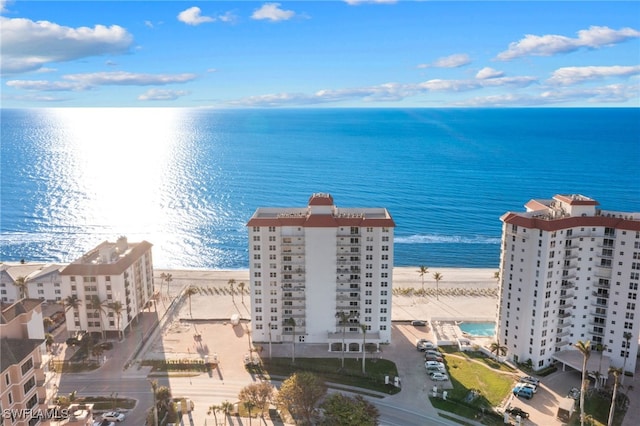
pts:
pixel 294 54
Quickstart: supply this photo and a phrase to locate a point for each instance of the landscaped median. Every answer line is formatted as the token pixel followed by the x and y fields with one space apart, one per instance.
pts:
pixel 330 369
pixel 479 384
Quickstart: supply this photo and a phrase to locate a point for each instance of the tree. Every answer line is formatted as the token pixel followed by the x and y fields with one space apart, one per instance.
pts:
pixel 97 306
pixel 498 349
pixel 231 283
pixel 343 320
pixel 117 308
pixel 168 278
pixel 290 322
pixel 191 290
pixel 97 351
pixel 300 394
pixel 48 341
pixel 616 382
pixel 423 271
pixel 257 394
pixel 213 409
pixel 71 302
pixel 226 409
pixel 340 409
pixel 241 288
pixel 437 276
pixel 585 349
pixel 627 336
pixel 154 388
pixel 363 327
pixel 600 348
pixel 47 322
pixel 163 401
pixel 22 284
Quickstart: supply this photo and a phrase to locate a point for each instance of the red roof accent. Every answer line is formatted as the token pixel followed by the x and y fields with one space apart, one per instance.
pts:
pixel 570 222
pixel 322 221
pixel 576 201
pixel 321 200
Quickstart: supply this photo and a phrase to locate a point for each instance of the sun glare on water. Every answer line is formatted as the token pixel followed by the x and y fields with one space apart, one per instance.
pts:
pixel 125 165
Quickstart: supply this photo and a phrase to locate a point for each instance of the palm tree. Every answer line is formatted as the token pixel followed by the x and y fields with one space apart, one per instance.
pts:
pixel 226 409
pixel 163 277
pixel 600 348
pixel 627 336
pixel 71 302
pixel 168 278
pixel 363 327
pixel 213 409
pixel 48 340
pixel 616 377
pixel 249 405
pixel 190 292
pixel 47 322
pixel 22 284
pixel 343 319
pixel 231 283
pixel 241 287
pixel 498 349
pixel 423 271
pixel 585 349
pixel 98 308
pixel 154 388
pixel 437 276
pixel 117 308
pixel 292 323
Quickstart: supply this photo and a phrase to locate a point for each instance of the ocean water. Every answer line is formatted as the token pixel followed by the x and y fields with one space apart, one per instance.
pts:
pixel 187 180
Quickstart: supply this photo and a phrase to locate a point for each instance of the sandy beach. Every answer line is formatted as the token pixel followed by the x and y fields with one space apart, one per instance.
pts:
pixel 447 306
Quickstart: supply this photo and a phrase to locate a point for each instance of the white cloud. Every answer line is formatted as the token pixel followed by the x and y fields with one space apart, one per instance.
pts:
pixel 79 82
pixel 452 61
pixel 162 95
pixel 381 93
pixel 192 16
pixel 29 45
pixel 547 45
pixel 272 12
pixel 572 75
pixel 488 72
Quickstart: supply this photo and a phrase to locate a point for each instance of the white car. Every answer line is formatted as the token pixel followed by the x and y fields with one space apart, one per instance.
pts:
pixel 438 377
pixel 434 365
pixel 113 416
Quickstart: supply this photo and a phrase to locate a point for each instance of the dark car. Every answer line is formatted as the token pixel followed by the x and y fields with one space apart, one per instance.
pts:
pixel 429 357
pixel 517 411
pixel 106 346
pixel 418 323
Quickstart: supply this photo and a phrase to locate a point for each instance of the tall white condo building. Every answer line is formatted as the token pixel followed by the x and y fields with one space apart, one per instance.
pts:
pixel 569 272
pixel 320 273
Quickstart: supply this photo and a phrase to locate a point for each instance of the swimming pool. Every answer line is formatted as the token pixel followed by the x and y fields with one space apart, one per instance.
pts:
pixel 478 328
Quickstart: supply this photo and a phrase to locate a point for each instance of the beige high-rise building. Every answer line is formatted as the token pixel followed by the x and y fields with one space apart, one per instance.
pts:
pixel 112 274
pixel 310 266
pixel 569 272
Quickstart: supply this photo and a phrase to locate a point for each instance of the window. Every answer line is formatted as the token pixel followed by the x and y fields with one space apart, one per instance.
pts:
pixel 28 365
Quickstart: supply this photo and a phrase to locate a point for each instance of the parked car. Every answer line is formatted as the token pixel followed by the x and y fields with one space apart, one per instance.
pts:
pixel 418 323
pixel 533 388
pixel 522 391
pixel 574 393
pixel 434 366
pixel 432 352
pixel 424 344
pixel 106 346
pixel 529 379
pixel 517 411
pixel 429 357
pixel 113 416
pixel 438 376
pixel 103 423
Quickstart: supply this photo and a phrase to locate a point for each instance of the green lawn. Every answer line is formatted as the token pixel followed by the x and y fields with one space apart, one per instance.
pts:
pixel 330 370
pixel 467 375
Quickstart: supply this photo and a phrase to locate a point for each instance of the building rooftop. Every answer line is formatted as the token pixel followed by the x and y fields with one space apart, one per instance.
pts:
pixel 108 258
pixel 13 351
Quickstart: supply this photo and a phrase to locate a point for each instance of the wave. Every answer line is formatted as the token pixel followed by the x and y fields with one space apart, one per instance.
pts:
pixel 446 239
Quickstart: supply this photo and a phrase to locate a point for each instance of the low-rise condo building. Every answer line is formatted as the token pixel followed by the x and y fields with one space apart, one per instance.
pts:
pixel 569 272
pixel 321 273
pixel 30 280
pixel 105 289
pixel 22 346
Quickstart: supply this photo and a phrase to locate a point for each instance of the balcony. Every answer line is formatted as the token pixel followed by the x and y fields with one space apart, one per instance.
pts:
pixel 598 304
pixel 566 294
pixel 562 343
pixel 598 284
pixel 600 294
pixel 564 323
pixel 597 332
pixel 341 280
pixel 567 285
pixel 562 314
